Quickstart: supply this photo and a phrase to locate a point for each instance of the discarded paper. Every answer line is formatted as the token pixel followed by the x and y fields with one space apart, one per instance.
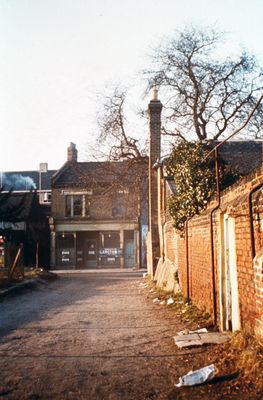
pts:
pixel 187 332
pixel 170 301
pixel 156 300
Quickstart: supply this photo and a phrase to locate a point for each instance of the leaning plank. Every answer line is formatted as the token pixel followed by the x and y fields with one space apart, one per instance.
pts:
pixel 199 339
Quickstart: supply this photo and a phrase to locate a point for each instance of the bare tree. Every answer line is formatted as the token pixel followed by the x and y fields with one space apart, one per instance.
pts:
pixel 204 96
pixel 112 122
pixel 126 155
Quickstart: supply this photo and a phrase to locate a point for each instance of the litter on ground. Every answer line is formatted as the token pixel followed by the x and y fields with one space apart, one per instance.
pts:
pixel 156 300
pixel 197 377
pixel 170 301
pixel 187 332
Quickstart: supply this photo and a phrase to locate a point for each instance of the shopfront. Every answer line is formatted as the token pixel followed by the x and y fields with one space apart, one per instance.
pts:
pixel 96 249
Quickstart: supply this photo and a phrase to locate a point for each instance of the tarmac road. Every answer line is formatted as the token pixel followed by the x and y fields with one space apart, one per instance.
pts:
pixel 94 336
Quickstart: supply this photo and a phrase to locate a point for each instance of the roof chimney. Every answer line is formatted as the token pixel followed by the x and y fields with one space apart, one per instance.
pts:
pixel 72 153
pixel 154 112
pixel 43 167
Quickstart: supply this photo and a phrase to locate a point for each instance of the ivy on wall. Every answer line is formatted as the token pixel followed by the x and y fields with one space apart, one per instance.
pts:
pixel 195 180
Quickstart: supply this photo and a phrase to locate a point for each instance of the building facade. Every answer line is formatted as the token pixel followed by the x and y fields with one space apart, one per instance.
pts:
pixel 96 221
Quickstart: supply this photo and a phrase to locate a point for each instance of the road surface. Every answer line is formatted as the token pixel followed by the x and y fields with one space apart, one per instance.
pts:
pixel 94 337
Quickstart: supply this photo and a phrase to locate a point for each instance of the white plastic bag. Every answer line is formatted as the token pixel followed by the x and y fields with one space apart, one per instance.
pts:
pixel 197 377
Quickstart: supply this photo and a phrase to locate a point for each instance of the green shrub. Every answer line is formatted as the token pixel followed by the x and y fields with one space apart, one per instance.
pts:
pixel 195 180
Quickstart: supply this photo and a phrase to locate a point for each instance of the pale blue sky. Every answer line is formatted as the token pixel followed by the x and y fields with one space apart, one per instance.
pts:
pixel 56 54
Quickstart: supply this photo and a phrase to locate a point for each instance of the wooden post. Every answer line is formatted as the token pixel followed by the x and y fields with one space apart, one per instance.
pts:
pixel 15 262
pixel 37 255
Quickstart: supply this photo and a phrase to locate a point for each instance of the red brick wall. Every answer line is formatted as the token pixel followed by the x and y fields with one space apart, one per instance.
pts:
pixel 170 243
pixel 200 270
pixel 234 202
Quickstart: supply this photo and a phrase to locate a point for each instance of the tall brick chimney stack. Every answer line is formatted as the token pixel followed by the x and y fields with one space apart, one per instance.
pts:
pixel 154 112
pixel 72 153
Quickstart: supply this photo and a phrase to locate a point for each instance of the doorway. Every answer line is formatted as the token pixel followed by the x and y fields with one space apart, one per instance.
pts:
pixel 90 253
pixel 87 249
pixel 230 303
pixel 129 249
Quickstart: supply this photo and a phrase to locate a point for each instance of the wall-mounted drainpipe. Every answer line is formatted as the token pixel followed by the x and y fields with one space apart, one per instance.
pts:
pixel 212 239
pixel 252 236
pixel 187 260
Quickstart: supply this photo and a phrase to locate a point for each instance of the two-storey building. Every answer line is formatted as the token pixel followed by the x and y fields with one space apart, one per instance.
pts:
pixel 96 216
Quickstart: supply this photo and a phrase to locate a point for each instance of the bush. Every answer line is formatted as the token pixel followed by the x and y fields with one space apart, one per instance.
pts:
pixel 195 180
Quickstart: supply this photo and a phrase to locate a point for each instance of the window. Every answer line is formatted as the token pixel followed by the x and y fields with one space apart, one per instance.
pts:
pixel 117 211
pixel 45 197
pixel 111 239
pixel 77 205
pixel 119 201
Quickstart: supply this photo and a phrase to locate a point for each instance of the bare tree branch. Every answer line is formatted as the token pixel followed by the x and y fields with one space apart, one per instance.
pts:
pixel 206 96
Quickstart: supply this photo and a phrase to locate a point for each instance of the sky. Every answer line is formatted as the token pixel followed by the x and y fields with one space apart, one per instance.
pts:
pixel 57 55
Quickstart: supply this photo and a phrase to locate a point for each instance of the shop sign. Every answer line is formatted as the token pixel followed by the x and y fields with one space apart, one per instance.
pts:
pixel 114 251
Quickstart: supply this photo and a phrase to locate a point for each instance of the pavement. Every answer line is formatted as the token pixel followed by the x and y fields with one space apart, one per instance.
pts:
pixel 18 286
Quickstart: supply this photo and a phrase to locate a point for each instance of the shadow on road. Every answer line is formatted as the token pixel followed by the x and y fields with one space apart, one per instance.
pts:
pixel 34 304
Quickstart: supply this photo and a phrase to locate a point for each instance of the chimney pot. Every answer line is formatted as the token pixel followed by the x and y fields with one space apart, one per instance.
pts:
pixel 72 153
pixel 154 94
pixel 43 167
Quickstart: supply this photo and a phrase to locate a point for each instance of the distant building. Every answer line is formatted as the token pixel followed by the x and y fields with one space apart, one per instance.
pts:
pixel 26 181
pixel 97 217
pixel 23 222
pixel 29 227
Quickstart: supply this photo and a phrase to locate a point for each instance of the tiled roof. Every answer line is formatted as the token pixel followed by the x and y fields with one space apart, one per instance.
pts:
pixel 243 155
pixel 26 180
pixel 93 172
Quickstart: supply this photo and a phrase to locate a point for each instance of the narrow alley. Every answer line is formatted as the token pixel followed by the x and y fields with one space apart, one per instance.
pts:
pixel 95 336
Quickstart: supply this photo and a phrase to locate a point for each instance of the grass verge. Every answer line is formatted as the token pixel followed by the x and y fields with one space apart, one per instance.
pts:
pixel 243 352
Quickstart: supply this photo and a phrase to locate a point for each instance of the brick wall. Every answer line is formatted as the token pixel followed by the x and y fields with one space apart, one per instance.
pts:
pixel 58 204
pixel 197 279
pixel 258 274
pixel 100 205
pixel 200 270
pixel 170 243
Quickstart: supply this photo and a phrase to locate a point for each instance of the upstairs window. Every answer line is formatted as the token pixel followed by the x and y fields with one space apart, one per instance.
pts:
pixel 117 211
pixel 77 205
